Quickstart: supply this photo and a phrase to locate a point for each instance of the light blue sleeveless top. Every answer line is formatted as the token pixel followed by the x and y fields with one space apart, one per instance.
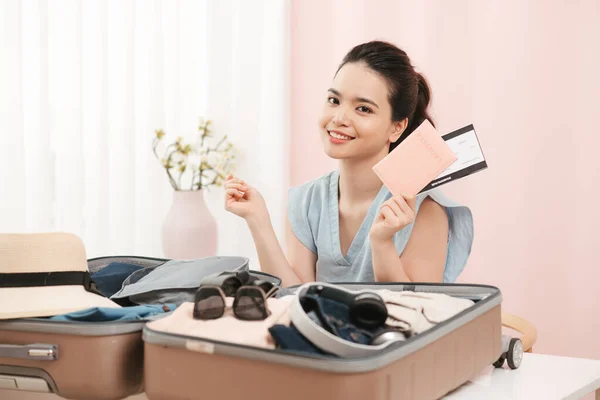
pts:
pixel 314 219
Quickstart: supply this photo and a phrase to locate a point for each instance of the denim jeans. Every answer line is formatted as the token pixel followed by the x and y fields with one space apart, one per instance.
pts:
pixel 290 339
pixel 334 316
pixel 105 314
pixel 110 278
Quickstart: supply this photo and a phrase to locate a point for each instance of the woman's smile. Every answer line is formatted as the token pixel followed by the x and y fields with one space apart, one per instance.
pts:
pixel 338 137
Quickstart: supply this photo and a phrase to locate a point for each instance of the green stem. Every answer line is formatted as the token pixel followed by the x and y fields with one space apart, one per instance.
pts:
pixel 193 179
pixel 168 147
pixel 204 134
pixel 154 146
pixel 172 181
pixel 220 142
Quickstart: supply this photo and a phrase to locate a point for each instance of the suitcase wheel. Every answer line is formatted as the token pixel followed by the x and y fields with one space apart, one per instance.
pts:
pixel 500 362
pixel 514 355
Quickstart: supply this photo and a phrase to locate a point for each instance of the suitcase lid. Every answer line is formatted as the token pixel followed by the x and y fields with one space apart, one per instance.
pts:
pixel 97 263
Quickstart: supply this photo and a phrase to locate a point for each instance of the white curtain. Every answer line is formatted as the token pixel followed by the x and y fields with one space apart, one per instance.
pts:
pixel 84 84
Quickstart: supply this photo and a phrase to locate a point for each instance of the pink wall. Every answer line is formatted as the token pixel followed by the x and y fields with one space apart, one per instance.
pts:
pixel 525 74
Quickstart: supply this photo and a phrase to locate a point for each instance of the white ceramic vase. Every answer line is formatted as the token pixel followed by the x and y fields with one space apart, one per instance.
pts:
pixel 189 230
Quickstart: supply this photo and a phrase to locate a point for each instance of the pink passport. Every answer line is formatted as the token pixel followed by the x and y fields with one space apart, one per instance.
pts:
pixel 418 160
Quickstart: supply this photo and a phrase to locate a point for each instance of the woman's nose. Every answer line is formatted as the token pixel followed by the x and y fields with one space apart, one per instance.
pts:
pixel 339 118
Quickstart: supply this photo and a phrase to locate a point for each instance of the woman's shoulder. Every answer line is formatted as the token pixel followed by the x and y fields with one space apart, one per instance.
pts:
pixel 315 189
pixel 307 205
pixel 460 231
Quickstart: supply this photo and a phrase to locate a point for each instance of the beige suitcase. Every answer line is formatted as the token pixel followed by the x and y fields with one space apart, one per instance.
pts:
pixel 76 360
pixel 426 366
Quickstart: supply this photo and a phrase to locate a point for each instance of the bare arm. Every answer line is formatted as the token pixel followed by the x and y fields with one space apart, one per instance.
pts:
pixel 301 265
pixel 245 201
pixel 424 257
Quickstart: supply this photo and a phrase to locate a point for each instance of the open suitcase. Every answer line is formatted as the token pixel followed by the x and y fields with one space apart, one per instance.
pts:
pixel 98 361
pixel 426 366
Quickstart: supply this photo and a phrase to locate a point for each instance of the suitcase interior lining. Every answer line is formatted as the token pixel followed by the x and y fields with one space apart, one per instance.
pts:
pixel 485 297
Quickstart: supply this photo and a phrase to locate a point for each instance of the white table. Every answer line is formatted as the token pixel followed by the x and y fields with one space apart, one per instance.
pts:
pixel 539 377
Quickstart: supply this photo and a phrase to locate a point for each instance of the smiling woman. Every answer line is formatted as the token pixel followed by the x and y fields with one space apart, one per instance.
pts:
pixel 346 225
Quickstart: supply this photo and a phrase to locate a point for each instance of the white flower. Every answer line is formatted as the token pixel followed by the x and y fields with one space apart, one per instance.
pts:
pixel 212 155
pixel 194 161
pixel 214 158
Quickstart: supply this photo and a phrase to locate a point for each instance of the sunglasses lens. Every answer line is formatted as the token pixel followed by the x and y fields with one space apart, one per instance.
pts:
pixel 230 286
pixel 209 304
pixel 250 304
pixel 266 286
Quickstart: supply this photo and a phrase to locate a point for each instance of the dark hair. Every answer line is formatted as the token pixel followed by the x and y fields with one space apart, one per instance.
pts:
pixel 409 93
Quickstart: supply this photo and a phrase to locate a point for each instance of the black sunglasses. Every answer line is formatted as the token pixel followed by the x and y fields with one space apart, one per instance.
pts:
pixel 250 302
pixel 230 282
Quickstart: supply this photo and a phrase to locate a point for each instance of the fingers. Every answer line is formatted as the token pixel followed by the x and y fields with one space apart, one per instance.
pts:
pixel 236 194
pixel 393 206
pixel 233 179
pixel 235 187
pixel 400 206
pixel 239 186
pixel 398 211
pixel 412 203
pixel 388 214
pixel 405 206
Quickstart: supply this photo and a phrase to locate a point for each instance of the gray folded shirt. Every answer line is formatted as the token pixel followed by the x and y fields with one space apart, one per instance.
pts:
pixel 175 281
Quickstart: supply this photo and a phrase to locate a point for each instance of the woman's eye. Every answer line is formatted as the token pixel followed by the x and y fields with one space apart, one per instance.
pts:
pixel 332 100
pixel 364 109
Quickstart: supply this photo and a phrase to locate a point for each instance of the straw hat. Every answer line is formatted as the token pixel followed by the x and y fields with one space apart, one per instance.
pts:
pixel 45 274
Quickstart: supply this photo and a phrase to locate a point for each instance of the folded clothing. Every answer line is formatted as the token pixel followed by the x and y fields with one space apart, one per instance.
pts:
pixel 104 314
pixel 288 338
pixel 331 315
pixel 109 279
pixel 227 328
pixel 345 333
pixel 415 312
pixel 175 281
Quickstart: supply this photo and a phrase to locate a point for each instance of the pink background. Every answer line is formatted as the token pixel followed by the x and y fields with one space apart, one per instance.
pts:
pixel 525 74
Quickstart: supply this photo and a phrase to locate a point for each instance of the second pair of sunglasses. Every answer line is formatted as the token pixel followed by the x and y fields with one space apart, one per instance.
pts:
pixel 250 302
pixel 230 283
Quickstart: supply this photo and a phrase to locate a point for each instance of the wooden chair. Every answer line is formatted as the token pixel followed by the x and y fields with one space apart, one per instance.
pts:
pixel 525 328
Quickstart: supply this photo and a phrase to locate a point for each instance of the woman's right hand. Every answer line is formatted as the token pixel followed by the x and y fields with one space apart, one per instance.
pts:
pixel 243 200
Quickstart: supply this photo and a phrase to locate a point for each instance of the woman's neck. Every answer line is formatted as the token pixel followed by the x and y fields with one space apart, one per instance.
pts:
pixel 358 182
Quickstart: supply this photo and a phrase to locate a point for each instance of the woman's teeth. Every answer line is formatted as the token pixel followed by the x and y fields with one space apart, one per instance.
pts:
pixel 338 136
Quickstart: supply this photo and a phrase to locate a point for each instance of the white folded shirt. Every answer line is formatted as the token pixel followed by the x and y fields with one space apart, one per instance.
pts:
pixel 415 312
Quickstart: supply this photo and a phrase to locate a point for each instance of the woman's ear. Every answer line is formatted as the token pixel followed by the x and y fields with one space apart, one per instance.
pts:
pixel 398 127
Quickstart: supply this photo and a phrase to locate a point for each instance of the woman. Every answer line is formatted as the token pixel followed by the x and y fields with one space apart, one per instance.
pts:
pixel 346 226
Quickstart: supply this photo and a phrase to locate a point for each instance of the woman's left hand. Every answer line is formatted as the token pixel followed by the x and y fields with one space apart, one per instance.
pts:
pixel 394 214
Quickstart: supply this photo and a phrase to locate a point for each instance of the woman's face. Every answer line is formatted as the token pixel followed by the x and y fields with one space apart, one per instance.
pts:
pixel 356 121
